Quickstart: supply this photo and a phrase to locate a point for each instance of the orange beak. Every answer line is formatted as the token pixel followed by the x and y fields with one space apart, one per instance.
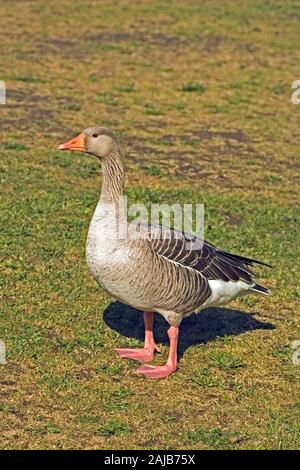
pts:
pixel 74 144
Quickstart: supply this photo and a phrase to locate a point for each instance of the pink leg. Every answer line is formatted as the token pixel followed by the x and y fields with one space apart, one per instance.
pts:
pixel 146 353
pixel 157 372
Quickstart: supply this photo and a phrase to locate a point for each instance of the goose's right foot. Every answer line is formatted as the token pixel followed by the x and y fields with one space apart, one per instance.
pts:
pixel 145 354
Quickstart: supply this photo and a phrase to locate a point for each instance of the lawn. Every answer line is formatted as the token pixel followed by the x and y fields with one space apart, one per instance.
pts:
pixel 199 94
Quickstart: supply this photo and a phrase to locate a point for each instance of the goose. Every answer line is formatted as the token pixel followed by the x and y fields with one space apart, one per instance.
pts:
pixel 153 268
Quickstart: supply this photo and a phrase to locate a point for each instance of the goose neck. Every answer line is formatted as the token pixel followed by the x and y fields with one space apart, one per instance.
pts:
pixel 113 178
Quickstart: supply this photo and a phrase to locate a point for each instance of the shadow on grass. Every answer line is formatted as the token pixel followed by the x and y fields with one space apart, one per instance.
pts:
pixel 199 328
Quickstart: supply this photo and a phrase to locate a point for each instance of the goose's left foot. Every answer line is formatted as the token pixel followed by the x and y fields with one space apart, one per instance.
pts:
pixel 158 372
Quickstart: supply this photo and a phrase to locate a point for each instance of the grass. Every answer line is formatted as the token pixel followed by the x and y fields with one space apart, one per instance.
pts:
pixel 113 428
pixel 194 87
pixel 213 438
pixel 29 79
pixel 232 146
pixel 153 171
pixel 226 361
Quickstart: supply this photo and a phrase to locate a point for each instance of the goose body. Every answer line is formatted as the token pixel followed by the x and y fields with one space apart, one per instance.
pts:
pixel 140 273
pixel 154 268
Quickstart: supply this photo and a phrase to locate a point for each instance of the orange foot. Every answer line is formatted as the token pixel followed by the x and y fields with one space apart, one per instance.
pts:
pixel 156 372
pixel 141 354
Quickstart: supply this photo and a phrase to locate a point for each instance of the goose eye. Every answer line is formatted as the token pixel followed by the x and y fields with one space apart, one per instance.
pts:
pixel 95 135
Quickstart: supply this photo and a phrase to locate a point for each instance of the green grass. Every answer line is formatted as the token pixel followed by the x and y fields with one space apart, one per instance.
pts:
pixel 213 438
pixel 14 146
pixel 224 360
pixel 193 87
pixel 195 102
pixel 113 428
pixel 153 171
pixel 29 79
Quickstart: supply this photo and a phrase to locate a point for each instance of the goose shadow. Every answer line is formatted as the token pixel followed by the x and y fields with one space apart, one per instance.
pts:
pixel 198 328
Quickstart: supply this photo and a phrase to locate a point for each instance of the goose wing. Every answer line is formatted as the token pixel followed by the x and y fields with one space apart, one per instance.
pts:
pixel 192 252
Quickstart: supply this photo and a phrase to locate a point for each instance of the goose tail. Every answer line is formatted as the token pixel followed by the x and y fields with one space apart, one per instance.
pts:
pixel 261 289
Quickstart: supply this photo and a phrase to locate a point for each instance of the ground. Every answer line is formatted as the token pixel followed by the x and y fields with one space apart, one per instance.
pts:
pixel 199 94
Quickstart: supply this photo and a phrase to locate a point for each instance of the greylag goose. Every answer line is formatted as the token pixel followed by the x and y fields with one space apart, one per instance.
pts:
pixel 154 273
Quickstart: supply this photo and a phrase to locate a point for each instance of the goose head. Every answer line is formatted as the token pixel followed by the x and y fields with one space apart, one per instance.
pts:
pixel 98 141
